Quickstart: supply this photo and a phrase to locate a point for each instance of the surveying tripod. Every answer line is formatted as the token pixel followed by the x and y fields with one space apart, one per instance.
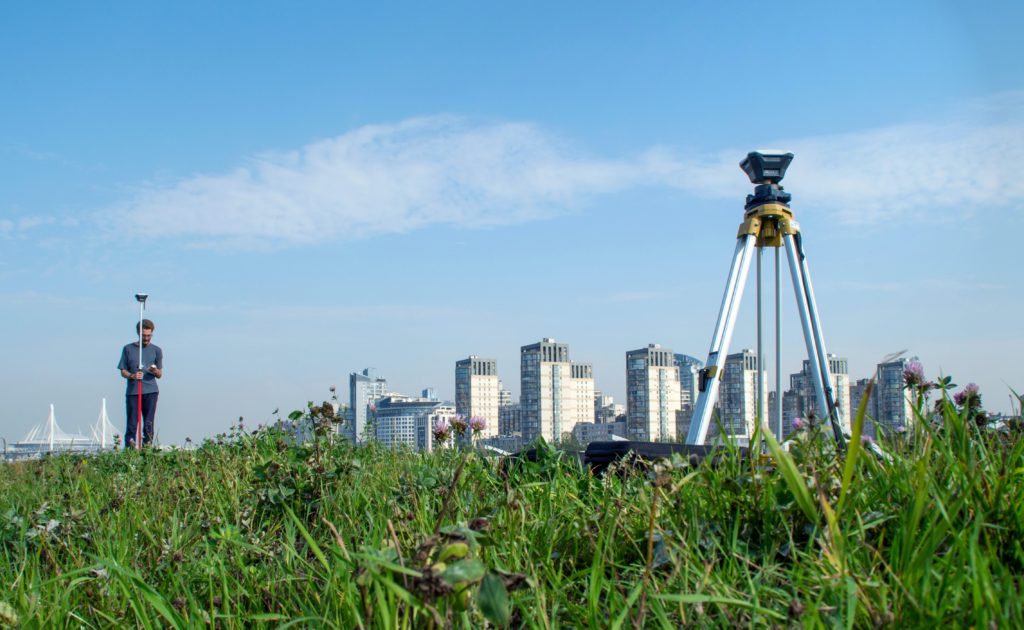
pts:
pixel 767 222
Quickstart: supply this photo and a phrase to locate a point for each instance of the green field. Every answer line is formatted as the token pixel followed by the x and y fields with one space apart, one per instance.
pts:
pixel 251 530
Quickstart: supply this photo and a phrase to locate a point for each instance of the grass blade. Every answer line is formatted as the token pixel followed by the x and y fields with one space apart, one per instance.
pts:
pixel 315 548
pixel 794 480
pixel 693 598
pixel 853 452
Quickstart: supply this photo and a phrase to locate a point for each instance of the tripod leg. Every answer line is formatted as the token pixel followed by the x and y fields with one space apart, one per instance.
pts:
pixel 805 320
pixel 812 333
pixel 711 375
pixel 819 340
pixel 778 346
pixel 760 414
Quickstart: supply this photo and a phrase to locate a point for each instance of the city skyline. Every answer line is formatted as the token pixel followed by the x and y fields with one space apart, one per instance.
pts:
pixel 308 192
pixel 652 376
pixel 657 404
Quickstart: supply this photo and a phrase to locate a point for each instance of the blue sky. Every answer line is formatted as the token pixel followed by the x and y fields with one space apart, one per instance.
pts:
pixel 307 190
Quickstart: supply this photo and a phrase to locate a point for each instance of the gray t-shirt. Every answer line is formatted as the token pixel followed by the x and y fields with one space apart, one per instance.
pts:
pixel 151 355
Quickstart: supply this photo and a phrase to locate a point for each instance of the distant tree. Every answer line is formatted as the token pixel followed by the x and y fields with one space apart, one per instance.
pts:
pixel 570 443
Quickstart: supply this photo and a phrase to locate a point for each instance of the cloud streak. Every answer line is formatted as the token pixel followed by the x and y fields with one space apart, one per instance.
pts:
pixel 911 172
pixel 638 296
pixel 14 228
pixel 394 178
pixel 375 180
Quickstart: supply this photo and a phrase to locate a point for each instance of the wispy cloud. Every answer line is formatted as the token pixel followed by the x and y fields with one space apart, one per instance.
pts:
pixel 869 287
pixel 49 157
pixel 955 284
pixel 949 167
pixel 637 296
pixel 38 298
pixel 393 178
pixel 930 284
pixel 374 312
pixel 923 171
pixel 379 179
pixel 20 227
pixel 248 310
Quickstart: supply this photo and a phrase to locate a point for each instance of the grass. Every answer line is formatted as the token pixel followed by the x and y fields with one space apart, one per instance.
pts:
pixel 258 532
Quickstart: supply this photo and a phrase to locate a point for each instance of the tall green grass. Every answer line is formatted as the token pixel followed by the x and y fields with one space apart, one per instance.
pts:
pixel 258 532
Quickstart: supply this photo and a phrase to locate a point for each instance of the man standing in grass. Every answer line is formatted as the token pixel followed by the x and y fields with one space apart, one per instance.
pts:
pixel 153 362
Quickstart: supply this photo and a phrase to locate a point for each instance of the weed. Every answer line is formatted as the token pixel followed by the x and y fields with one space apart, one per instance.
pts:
pixel 287 525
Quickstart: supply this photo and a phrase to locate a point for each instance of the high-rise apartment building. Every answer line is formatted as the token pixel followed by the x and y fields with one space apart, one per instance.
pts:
pixel 425 424
pixel 510 420
pixel 737 397
pixel 773 417
pixel 587 432
pixel 405 421
pixel 365 389
pixel 801 401
pixel 477 391
pixel 555 393
pixel 689 379
pixel 839 369
pixel 894 410
pixel 857 392
pixel 601 400
pixel 606 409
pixel 509 414
pixel 504 396
pixel 652 394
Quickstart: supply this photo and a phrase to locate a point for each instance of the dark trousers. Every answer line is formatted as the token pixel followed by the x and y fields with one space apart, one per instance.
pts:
pixel 131 404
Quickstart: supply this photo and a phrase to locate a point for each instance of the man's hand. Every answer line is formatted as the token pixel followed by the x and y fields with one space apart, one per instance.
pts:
pixel 137 376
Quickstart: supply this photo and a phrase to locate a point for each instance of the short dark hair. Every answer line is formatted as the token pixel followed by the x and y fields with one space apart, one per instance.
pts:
pixel 147 324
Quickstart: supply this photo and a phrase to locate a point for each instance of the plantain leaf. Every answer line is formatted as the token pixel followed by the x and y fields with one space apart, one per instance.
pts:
pixel 493 600
pixel 469 570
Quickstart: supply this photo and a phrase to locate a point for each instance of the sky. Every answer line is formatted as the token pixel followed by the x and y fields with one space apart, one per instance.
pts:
pixel 306 190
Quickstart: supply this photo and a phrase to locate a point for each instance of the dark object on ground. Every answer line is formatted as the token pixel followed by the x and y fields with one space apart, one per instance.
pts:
pixel 600 455
pixel 508 463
